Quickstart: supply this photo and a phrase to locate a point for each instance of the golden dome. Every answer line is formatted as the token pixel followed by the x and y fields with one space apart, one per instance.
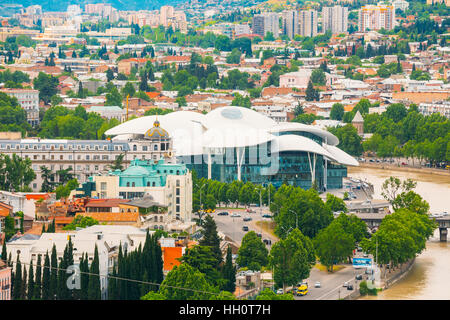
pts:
pixel 156 132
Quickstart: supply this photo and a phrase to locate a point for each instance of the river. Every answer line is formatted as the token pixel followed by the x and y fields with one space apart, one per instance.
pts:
pixel 429 278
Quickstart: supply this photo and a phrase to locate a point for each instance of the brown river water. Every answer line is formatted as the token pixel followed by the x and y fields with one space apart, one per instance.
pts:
pixel 429 278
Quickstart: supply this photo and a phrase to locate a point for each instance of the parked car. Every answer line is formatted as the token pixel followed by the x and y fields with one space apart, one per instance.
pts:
pixel 358 277
pixel 345 284
pixel 235 215
pixel 224 213
pixel 317 284
pixel 244 228
pixel 266 216
pixel 350 287
pixel 247 219
pixel 250 210
pixel 267 242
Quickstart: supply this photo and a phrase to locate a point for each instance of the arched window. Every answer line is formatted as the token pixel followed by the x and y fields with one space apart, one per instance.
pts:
pixel 148 183
pixel 134 147
pixel 128 184
pixel 153 184
pixel 133 184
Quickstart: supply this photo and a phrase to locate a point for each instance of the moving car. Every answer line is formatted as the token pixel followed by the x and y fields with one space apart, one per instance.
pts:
pixel 235 215
pixel 266 216
pixel 345 284
pixel 317 284
pixel 302 290
pixel 244 228
pixel 250 210
pixel 358 277
pixel 224 213
pixel 247 219
pixel 350 287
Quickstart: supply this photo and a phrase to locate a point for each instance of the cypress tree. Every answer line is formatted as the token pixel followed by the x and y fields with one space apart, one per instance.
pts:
pixel 94 290
pixel 229 272
pixel 145 288
pixel 10 260
pixel 310 92
pixel 112 285
pixel 53 274
pixel 84 268
pixel 23 289
pixel 17 284
pixel 37 282
pixel 30 291
pixel 43 228
pixel 120 284
pixel 4 253
pixel 157 256
pixel 46 293
pixel 211 239
pixel 61 289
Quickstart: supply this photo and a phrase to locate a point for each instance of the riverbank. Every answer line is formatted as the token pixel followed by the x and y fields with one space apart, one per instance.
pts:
pixel 397 167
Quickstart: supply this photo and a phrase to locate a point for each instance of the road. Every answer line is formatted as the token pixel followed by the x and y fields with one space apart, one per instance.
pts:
pixel 232 226
pixel 331 284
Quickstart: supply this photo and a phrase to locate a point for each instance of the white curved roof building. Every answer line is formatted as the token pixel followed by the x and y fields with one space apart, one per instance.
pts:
pixel 232 143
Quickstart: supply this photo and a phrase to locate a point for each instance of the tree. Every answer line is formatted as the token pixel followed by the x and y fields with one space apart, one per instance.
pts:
pixel 17 282
pixel 298 110
pixel 184 282
pixel 335 204
pixel 393 186
pixel 289 259
pixel 31 285
pixel 211 238
pixel 46 84
pixel 201 258
pixel 46 294
pixel 38 280
pixel 349 140
pixel 229 273
pixel 268 294
pixel 94 291
pixel 318 77
pixel 113 98
pixel 333 245
pixel 311 93
pixel 337 111
pixel 53 274
pixel 234 57
pixel 128 90
pixel 16 173
pixel 252 253
pixel 4 255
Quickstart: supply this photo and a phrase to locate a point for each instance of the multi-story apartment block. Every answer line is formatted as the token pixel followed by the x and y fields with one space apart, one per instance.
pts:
pixel 290 23
pixel 376 17
pixel 335 19
pixel 266 22
pixel 308 23
pixel 28 100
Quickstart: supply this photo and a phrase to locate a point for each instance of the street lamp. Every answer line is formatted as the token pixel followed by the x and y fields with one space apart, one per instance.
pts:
pixel 296 218
pixel 200 191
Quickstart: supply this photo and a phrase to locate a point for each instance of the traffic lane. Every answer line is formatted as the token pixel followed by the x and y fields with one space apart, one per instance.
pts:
pixel 232 226
pixel 331 284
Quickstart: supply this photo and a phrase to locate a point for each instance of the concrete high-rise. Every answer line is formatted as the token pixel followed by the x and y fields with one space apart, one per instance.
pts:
pixel 290 23
pixel 308 23
pixel 335 19
pixel 376 18
pixel 266 22
pixel 166 14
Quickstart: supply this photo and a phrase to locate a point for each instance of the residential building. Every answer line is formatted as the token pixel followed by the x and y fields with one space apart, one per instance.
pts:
pixel 400 4
pixel 376 17
pixel 266 22
pixel 335 19
pixel 5 281
pixel 442 107
pixel 308 23
pixel 290 23
pixel 28 100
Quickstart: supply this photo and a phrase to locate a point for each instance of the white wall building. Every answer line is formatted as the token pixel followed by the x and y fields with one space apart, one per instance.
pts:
pixel 28 100
pixel 335 19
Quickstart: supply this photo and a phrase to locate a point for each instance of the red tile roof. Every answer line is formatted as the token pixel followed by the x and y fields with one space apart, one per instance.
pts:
pixel 170 256
pixel 105 203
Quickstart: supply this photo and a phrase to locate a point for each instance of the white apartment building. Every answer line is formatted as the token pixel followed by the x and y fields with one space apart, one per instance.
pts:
pixel 376 17
pixel 335 19
pixel 308 23
pixel 28 100
pixel 442 107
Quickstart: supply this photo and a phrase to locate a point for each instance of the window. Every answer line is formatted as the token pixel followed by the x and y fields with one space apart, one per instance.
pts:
pixel 153 184
pixel 177 208
pixel 178 183
pixel 177 191
pixel 144 148
pixel 103 186
pixel 148 183
pixel 133 184
pixel 134 147
pixel 155 147
pixel 128 184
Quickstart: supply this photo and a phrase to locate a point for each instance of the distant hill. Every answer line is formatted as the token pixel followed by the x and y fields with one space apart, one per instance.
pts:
pixel 61 5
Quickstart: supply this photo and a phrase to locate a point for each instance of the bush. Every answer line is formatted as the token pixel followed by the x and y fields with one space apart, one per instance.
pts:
pixel 363 289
